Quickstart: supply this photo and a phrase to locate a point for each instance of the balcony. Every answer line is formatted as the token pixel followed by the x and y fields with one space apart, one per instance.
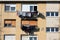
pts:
pixel 29 26
pixel 30 29
pixel 28 15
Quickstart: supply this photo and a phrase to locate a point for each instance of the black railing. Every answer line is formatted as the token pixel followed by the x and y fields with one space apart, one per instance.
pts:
pixel 28 14
pixel 29 29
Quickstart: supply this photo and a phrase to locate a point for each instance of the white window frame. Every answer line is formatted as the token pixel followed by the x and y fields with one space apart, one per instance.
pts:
pixel 11 5
pixel 28 6
pixel 9 35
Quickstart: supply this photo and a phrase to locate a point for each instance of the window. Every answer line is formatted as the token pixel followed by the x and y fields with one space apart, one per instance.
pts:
pixel 33 38
pixel 29 37
pixel 52 29
pixel 33 8
pixel 9 37
pixel 56 29
pixel 29 7
pixel 47 13
pixel 51 13
pixel 10 7
pixel 56 13
pixel 47 29
pixel 9 23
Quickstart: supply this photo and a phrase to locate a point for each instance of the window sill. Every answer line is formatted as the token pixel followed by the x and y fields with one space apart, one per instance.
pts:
pixel 9 27
pixel 51 32
pixel 10 11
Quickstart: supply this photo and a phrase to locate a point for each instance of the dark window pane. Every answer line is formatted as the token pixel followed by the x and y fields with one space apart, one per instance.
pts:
pixel 47 29
pixel 31 9
pixel 33 38
pixel 52 13
pixel 12 8
pixel 35 8
pixel 7 8
pixel 56 13
pixel 5 25
pixel 47 13
pixel 52 29
pixel 9 25
pixel 57 29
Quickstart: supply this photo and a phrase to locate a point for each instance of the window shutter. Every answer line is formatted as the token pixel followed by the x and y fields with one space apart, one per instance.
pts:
pixel 8 22
pixel 33 23
pixel 13 23
pixel 25 22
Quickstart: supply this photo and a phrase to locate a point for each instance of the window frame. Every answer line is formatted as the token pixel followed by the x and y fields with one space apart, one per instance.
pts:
pixel 8 35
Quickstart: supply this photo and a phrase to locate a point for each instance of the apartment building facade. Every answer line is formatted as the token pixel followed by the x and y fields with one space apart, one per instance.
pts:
pixel 32 20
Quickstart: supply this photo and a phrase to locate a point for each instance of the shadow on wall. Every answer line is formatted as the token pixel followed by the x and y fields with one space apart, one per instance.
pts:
pixel 41 16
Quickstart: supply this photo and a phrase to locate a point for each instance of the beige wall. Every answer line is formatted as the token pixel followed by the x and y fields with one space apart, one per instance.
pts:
pixel 52 7
pixel 52 36
pixel 52 21
pixel 42 22
pixel 17 30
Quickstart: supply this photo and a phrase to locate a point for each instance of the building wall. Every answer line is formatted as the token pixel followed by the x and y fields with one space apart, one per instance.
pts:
pixel 42 35
pixel 52 21
pixel 17 30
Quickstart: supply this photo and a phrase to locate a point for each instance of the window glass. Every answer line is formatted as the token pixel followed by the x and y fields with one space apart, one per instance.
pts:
pixel 9 37
pixel 52 13
pixel 47 29
pixel 12 8
pixel 56 13
pixel 33 38
pixel 56 29
pixel 25 8
pixel 35 8
pixel 52 29
pixel 47 13
pixel 7 8
pixel 31 8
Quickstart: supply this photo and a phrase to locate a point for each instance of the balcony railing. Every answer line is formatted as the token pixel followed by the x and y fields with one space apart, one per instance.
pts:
pixel 28 14
pixel 30 28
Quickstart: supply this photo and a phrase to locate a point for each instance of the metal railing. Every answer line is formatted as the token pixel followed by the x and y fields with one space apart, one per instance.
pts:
pixel 27 14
